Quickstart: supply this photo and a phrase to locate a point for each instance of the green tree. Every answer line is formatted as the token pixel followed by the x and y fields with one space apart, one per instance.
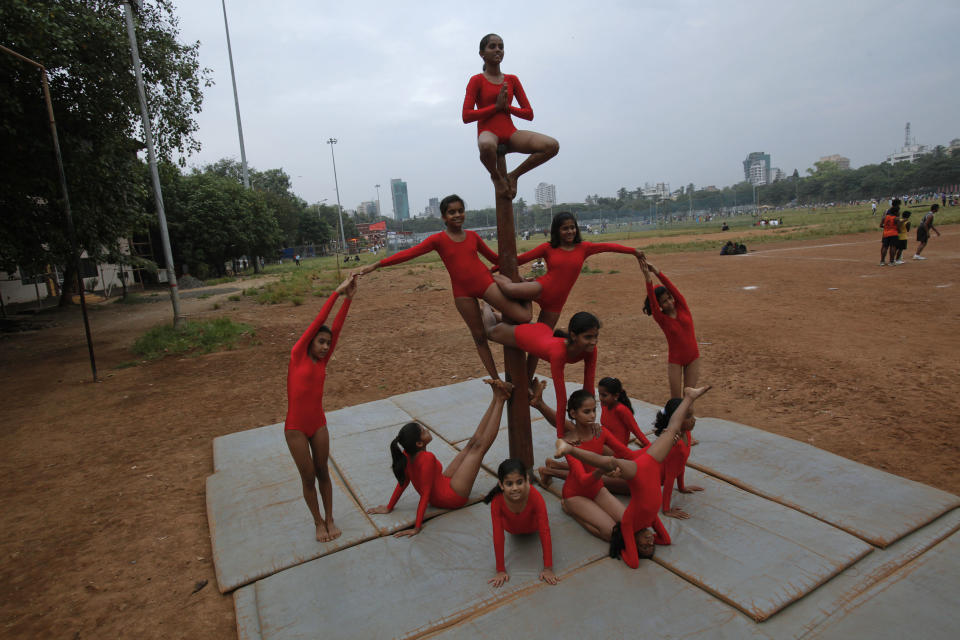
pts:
pixel 84 46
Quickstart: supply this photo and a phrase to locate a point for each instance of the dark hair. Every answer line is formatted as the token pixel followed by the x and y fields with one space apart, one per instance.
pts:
pixel 558 221
pixel 934 207
pixel 617 545
pixel 663 416
pixel 577 398
pixel 408 438
pixel 579 322
pixel 614 386
pixel 483 43
pixel 895 203
pixel 508 466
pixel 450 199
pixel 659 291
pixel 905 214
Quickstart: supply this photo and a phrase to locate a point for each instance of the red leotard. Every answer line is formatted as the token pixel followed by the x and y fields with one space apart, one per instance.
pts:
pixel 581 480
pixel 532 519
pixel 563 268
pixel 483 93
pixel 468 276
pixel 681 339
pixel 642 510
pixel 673 467
pixel 619 421
pixel 426 473
pixel 305 377
pixel 537 338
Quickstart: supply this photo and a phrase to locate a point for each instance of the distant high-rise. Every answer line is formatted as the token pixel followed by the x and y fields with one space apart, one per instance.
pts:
pixel 401 204
pixel 546 195
pixel 756 168
pixel 837 159
pixel 433 208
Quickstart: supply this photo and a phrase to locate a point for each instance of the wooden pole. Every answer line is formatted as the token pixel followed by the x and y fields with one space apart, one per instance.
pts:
pixel 515 361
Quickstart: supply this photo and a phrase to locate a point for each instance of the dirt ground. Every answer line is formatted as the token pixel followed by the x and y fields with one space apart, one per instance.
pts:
pixel 102 493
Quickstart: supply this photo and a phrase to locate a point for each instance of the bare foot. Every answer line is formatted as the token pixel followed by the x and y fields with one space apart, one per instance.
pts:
pixel 322 532
pixel 500 185
pixel 550 463
pixel 545 478
pixel 501 279
pixel 512 181
pixel 333 531
pixel 500 388
pixel 693 441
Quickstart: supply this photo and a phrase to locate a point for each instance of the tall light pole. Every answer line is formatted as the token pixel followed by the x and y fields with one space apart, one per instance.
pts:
pixel 152 157
pixel 343 238
pixel 377 187
pixel 236 99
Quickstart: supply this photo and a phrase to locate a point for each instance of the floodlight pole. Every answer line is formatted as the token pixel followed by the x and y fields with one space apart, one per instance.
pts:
pixel 336 186
pixel 236 99
pixel 152 156
pixel 71 230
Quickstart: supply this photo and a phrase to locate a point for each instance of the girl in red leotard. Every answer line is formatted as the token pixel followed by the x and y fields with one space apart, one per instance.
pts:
pixel 556 347
pixel 451 487
pixel 517 507
pixel 469 277
pixel 305 428
pixel 631 540
pixel 565 255
pixel 617 413
pixel 488 102
pixel 675 463
pixel 671 312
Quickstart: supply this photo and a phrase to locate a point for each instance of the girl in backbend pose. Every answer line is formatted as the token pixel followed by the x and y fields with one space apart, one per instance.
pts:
pixel 558 348
pixel 305 428
pixel 675 463
pixel 585 498
pixel 671 312
pixel 517 507
pixel 469 277
pixel 565 255
pixel 488 102
pixel 449 488
pixel 631 540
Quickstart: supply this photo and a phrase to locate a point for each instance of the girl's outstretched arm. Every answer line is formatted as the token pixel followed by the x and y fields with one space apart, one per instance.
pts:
pixel 428 245
pixel 348 288
pixel 608 464
pixel 301 346
pixel 662 445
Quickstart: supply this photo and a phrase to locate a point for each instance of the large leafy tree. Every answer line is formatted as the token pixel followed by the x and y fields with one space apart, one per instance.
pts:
pixel 83 45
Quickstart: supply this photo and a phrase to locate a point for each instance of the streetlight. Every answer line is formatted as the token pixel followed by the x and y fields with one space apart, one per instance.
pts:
pixel 377 187
pixel 343 238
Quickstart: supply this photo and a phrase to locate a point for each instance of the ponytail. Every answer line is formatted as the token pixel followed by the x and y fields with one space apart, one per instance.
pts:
pixel 616 542
pixel 615 387
pixel 663 416
pixel 508 466
pixel 408 438
pixel 659 291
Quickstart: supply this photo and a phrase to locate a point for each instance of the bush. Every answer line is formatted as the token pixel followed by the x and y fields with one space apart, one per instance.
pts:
pixel 196 336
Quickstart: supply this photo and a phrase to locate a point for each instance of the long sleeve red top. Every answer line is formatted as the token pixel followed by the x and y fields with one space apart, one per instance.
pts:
pixel 681 339
pixel 305 377
pixel 673 468
pixel 468 276
pixel 563 268
pixel 538 339
pixel 642 510
pixel 483 94
pixel 619 421
pixel 532 519
pixel 423 470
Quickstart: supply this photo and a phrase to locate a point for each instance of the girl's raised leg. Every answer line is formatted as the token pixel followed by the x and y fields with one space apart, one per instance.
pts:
pixel 455 463
pixel 540 147
pixel 299 447
pixel 548 318
pixel 469 310
pixel 463 477
pixel 628 468
pixel 518 312
pixel 525 290
pixel 499 332
pixel 320 444
pixel 487 143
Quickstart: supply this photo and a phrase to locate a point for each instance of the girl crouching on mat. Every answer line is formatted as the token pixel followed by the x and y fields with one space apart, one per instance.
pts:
pixel 517 507
pixel 305 428
pixel 451 487
pixel 631 540
pixel 675 463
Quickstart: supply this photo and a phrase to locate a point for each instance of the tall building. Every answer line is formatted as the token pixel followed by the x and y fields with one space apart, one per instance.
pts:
pixel 367 208
pixel 837 159
pixel 756 168
pixel 433 208
pixel 401 204
pixel 546 195
pixel 910 150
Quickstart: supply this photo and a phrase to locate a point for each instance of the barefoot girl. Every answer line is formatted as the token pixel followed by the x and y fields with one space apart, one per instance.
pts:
pixel 565 255
pixel 631 540
pixel 671 312
pixel 675 463
pixel 492 93
pixel 558 348
pixel 449 489
pixel 305 428
pixel 518 508
pixel 616 414
pixel 469 277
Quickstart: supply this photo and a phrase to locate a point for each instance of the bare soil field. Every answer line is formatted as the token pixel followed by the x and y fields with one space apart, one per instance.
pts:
pixel 102 495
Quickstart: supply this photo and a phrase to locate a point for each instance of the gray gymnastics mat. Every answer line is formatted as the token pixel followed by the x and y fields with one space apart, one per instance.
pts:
pixel 874 505
pixel 259 523
pixel 405 587
pixel 364 461
pixel 248 449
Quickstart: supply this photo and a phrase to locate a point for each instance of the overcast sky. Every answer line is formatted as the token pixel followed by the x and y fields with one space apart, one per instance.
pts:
pixel 637 91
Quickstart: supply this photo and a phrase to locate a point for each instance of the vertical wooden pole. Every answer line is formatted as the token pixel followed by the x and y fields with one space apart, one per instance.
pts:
pixel 515 361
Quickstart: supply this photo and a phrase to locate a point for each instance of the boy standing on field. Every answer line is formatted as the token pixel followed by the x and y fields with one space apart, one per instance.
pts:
pixel 903 229
pixel 923 231
pixel 891 234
